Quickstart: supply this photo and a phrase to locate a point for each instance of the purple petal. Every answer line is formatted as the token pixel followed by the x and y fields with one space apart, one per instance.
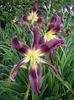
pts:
pixel 62 42
pixel 41 39
pixel 35 6
pixel 41 20
pixel 15 43
pixel 22 48
pixel 35 31
pixel 49 46
pixel 15 69
pixel 54 43
pixel 55 23
pixel 51 56
pixel 52 67
pixel 44 49
pixel 56 18
pixel 65 45
pixel 35 76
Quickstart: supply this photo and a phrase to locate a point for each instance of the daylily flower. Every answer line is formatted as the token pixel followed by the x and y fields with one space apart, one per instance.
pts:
pixel 53 27
pixel 35 55
pixel 33 16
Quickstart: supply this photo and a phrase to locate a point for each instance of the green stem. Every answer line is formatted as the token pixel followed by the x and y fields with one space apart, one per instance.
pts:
pixel 27 93
pixel 33 96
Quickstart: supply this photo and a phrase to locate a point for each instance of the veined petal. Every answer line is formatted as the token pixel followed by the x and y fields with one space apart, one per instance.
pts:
pixel 55 24
pixel 35 31
pixel 41 20
pixel 65 45
pixel 56 18
pixel 49 45
pixel 60 43
pixel 44 49
pixel 35 76
pixel 41 40
pixel 51 56
pixel 35 6
pixel 15 69
pixel 52 67
pixel 22 48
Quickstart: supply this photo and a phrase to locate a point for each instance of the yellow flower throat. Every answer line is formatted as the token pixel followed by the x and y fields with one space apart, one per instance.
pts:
pixel 49 35
pixel 33 16
pixel 33 55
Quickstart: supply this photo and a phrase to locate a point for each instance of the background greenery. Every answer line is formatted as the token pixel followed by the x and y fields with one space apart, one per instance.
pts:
pixel 52 87
pixel 11 8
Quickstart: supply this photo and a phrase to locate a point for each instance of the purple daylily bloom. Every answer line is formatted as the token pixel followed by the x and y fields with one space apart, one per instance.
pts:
pixel 53 27
pixel 35 55
pixel 35 76
pixel 33 16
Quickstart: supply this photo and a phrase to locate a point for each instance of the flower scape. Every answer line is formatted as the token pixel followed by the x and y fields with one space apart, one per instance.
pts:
pixel 41 46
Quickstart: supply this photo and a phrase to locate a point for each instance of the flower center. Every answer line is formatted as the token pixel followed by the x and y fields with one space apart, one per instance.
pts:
pixel 49 35
pixel 33 55
pixel 33 16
